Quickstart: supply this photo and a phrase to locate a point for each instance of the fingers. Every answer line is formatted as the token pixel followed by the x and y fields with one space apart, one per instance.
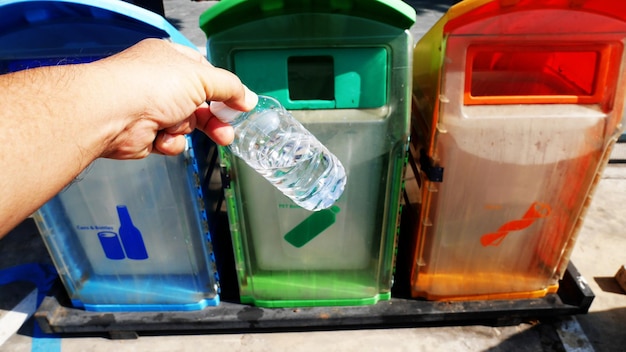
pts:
pixel 183 127
pixel 173 144
pixel 223 85
pixel 171 141
pixel 220 132
pixel 219 84
pixel 169 144
pixel 174 97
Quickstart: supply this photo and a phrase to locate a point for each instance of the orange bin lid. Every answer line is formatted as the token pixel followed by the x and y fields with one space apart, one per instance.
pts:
pixel 535 16
pixel 594 67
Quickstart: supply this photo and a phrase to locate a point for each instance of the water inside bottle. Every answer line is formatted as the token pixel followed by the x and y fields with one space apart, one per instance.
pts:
pixel 294 161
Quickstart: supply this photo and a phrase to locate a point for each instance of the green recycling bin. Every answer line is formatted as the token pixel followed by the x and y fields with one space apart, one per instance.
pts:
pixel 343 69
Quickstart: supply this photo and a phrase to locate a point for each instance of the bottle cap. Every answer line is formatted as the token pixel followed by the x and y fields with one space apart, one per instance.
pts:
pixel 226 113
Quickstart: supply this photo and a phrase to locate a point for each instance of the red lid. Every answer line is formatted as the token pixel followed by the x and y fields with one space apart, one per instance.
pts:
pixel 536 17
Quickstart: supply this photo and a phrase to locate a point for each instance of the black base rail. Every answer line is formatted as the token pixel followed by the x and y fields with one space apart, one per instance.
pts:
pixel 574 296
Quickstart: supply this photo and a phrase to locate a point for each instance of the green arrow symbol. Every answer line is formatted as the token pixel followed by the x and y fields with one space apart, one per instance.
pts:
pixel 312 226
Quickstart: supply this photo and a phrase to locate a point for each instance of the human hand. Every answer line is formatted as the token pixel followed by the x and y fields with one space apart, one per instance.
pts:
pixel 160 93
pixel 57 120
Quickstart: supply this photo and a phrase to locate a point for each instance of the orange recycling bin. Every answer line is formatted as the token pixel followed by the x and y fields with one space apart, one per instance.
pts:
pixel 517 104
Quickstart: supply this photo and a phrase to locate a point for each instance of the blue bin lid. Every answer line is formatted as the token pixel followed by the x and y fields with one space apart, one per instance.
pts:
pixel 39 28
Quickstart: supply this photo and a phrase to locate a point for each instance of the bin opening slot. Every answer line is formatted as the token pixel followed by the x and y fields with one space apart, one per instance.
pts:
pixel 531 75
pixel 311 77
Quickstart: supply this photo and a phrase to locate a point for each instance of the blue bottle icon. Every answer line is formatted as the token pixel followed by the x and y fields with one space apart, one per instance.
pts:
pixel 131 238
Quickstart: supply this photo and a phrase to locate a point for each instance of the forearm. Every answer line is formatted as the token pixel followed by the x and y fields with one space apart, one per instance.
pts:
pixel 51 132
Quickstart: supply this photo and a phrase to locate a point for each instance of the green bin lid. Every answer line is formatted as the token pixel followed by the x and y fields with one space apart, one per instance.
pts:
pixel 231 13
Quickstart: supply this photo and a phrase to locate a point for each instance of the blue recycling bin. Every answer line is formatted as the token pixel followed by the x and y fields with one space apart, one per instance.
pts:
pixel 126 235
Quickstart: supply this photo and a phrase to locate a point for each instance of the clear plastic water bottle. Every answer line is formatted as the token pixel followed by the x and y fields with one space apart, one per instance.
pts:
pixel 275 144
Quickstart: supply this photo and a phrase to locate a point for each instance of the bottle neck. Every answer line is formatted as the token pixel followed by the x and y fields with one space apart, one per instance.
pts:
pixel 124 216
pixel 239 119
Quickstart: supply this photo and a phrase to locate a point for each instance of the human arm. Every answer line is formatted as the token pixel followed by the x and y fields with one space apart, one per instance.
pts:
pixel 57 120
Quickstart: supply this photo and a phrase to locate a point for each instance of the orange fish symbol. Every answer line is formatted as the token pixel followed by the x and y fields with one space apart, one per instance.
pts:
pixel 536 211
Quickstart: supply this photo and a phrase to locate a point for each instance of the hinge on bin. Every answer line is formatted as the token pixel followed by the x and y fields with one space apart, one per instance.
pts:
pixel 225 178
pixel 433 173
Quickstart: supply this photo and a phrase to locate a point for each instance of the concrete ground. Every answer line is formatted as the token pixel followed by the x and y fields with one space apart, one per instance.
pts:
pixel 599 252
